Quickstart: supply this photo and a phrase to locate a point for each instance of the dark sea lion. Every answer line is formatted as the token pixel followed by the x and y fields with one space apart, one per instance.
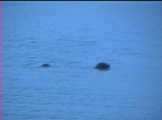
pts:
pixel 102 66
pixel 45 65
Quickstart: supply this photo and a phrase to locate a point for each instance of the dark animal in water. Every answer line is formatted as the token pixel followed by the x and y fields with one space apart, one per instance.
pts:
pixel 102 66
pixel 45 65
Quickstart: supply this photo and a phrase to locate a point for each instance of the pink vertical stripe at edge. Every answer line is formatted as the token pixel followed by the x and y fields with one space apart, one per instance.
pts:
pixel 0 60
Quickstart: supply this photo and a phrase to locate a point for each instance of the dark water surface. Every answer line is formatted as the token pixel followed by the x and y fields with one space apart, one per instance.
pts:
pixel 73 37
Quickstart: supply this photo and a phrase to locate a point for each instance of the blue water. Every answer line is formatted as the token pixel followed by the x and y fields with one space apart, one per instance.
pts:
pixel 73 37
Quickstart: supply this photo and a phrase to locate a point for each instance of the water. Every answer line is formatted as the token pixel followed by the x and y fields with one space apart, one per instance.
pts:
pixel 73 37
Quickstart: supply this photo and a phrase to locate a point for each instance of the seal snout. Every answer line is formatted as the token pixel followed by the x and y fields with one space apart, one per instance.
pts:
pixel 45 65
pixel 102 66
